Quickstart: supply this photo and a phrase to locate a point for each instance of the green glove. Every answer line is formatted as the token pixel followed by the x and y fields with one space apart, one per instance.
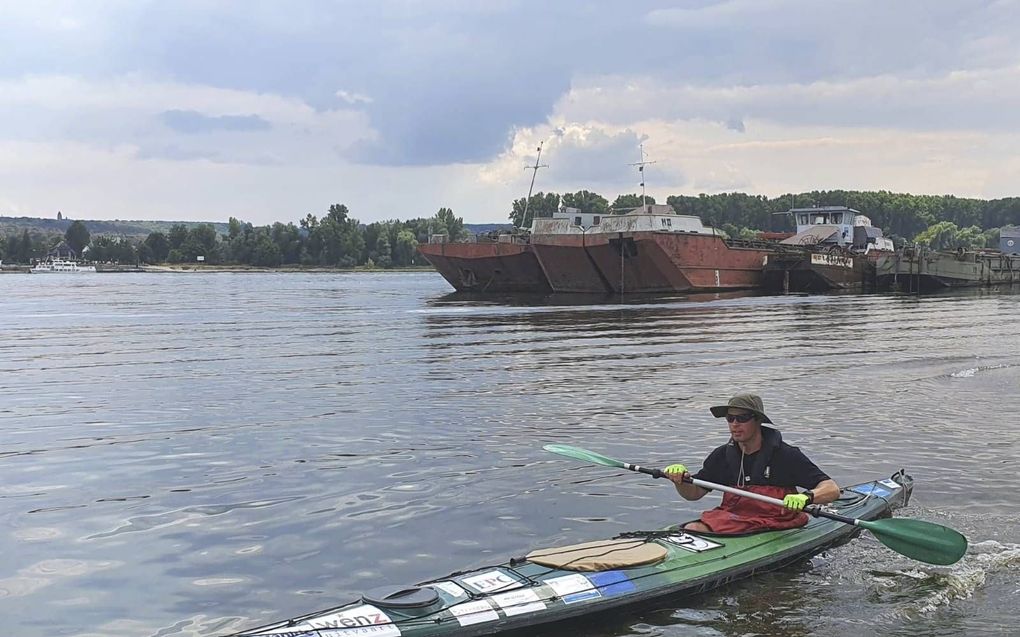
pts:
pixel 675 469
pixel 795 501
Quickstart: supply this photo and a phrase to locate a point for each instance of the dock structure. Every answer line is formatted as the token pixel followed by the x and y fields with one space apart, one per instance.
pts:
pixel 834 248
pixel 919 270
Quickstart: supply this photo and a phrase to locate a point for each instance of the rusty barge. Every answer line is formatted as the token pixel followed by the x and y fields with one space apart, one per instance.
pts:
pixel 919 270
pixel 647 250
pixel 653 250
pixel 834 248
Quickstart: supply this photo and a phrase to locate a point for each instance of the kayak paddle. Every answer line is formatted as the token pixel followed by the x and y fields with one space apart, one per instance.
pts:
pixel 923 541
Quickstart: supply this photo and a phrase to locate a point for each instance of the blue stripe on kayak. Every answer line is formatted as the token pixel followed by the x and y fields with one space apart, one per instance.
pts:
pixel 612 583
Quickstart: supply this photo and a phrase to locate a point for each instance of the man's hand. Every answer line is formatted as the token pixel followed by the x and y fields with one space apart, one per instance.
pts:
pixel 795 501
pixel 676 473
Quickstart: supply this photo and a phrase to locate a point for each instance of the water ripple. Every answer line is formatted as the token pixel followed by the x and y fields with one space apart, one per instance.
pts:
pixel 192 454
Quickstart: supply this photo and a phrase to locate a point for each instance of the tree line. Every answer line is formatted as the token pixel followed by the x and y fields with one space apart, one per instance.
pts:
pixel 334 240
pixel 339 240
pixel 939 221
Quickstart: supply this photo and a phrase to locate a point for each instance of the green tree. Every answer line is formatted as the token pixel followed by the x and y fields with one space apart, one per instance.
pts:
pixel 336 239
pixel 233 228
pixel 108 250
pixel 288 239
pixel 177 236
pixel 157 248
pixel 404 249
pixel 265 252
pixel 447 223
pixel 27 249
pixel 587 202
pixel 240 243
pixel 541 205
pixel 382 256
pixel 77 236
pixel 628 202
pixel 202 241
pixel 946 235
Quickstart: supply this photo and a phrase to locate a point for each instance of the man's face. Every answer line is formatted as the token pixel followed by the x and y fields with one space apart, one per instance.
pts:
pixel 743 424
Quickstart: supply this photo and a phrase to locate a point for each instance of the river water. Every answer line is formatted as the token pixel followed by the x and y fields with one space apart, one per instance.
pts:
pixel 193 454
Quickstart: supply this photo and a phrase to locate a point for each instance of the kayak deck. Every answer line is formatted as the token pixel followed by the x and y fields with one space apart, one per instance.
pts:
pixel 521 593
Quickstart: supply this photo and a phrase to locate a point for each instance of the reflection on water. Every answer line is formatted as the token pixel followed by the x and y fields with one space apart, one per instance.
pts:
pixel 192 454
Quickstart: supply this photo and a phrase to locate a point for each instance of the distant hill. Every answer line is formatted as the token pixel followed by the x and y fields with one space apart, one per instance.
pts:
pixel 130 229
pixel 141 229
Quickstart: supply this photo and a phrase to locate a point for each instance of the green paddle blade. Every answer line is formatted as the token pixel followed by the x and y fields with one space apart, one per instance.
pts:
pixel 917 539
pixel 583 454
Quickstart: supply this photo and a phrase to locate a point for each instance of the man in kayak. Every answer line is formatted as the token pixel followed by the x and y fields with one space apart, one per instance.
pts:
pixel 755 459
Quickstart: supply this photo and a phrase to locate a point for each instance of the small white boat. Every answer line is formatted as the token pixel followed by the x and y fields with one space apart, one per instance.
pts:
pixel 61 265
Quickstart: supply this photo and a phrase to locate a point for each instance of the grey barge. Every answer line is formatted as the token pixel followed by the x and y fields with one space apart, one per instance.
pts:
pixel 919 270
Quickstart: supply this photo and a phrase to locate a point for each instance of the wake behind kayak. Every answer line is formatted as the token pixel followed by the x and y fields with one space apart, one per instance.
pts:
pixel 568 582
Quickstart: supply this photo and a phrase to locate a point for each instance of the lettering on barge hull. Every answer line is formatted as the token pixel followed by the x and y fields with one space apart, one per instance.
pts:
pixel 832 259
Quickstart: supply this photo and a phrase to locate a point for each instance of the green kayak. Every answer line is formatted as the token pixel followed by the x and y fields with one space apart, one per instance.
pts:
pixel 562 583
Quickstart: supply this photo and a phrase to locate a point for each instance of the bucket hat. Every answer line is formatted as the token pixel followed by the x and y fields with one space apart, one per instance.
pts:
pixel 750 402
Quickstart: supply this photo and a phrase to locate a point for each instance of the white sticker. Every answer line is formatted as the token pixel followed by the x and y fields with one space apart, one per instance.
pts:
pixel 519 602
pixel 450 588
pixel 475 612
pixel 573 588
pixel 361 620
pixel 491 581
pixel 892 484
pixel 692 542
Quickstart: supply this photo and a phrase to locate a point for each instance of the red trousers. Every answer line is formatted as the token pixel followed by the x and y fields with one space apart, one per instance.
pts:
pixel 744 515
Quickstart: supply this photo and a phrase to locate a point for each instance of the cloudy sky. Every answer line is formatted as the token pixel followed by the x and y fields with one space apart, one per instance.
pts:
pixel 266 111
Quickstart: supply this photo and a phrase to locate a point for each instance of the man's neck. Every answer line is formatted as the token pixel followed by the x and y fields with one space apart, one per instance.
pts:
pixel 752 445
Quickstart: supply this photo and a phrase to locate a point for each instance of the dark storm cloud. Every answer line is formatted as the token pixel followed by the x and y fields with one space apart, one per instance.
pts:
pixel 449 80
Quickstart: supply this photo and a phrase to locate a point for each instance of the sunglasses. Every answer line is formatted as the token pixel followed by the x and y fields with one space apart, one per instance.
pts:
pixel 739 417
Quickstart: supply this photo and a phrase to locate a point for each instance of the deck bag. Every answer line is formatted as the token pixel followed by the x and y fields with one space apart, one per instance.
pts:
pixel 604 555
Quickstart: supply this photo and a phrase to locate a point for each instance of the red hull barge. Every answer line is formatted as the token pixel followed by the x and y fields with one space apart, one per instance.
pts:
pixel 498 267
pixel 645 251
pixel 651 262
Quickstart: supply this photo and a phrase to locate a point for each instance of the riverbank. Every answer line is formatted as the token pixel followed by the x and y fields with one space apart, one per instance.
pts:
pixel 252 268
pixel 107 268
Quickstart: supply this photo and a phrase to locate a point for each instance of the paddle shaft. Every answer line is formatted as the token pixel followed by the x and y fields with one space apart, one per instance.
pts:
pixel 813 509
pixel 916 539
pixel 711 486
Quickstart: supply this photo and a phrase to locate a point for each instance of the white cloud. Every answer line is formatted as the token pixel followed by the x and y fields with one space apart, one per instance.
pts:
pixel 981 99
pixel 765 96
pixel 132 111
pixel 353 98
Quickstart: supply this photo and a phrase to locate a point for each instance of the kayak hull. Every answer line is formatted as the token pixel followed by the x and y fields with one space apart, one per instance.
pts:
pixel 521 594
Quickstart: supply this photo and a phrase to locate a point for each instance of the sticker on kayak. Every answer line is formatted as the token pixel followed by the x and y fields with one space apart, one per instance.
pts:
pixel 476 612
pixel 872 489
pixel 450 589
pixel 611 583
pixel 362 620
pixel 519 602
pixel 491 581
pixel 892 484
pixel 693 543
pixel 573 588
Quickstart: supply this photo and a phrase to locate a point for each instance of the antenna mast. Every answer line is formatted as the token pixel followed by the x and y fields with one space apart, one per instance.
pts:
pixel 641 169
pixel 527 202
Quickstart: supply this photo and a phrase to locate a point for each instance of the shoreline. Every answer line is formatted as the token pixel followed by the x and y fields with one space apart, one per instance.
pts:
pixel 235 269
pixel 255 269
